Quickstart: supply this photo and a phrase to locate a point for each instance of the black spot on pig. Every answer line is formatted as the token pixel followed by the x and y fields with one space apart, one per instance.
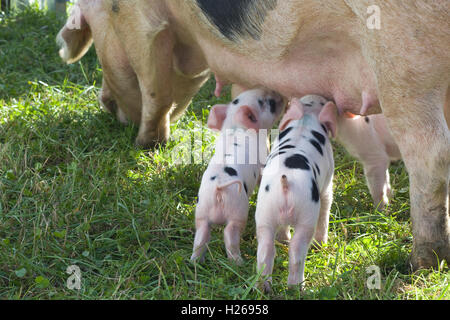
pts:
pixel 367 119
pixel 245 187
pixel 273 106
pixel 284 133
pixel 324 128
pixel 297 161
pixel 230 171
pixel 316 145
pixel 237 19
pixel 289 146
pixel 284 142
pixel 314 191
pixel 267 188
pixel 317 168
pixel 236 101
pixel 318 136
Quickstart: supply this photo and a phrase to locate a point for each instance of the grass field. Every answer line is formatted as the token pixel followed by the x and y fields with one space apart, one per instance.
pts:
pixel 74 190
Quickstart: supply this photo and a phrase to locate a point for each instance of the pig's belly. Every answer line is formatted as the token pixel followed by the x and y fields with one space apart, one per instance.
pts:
pixel 330 68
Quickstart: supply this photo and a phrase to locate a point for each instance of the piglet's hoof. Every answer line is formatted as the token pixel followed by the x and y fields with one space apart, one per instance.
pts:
pixel 425 256
pixel 265 287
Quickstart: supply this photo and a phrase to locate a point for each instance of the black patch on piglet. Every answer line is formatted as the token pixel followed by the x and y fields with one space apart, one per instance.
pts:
pixel 317 168
pixel 237 19
pixel 317 146
pixel 318 136
pixel 230 171
pixel 314 191
pixel 273 105
pixel 284 133
pixel 297 161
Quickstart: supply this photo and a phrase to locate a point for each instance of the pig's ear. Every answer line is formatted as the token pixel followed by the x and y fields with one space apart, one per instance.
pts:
pixel 295 112
pixel 75 37
pixel 247 117
pixel 217 116
pixel 328 116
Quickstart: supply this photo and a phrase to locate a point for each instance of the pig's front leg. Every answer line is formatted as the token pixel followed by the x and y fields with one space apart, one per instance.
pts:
pixel 425 149
pixel 150 53
pixel 265 254
pixel 156 86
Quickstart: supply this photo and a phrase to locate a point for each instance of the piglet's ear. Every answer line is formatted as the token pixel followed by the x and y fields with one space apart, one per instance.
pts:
pixel 295 112
pixel 247 117
pixel 217 116
pixel 328 116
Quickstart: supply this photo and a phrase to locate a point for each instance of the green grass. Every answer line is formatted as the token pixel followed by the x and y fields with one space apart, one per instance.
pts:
pixel 74 190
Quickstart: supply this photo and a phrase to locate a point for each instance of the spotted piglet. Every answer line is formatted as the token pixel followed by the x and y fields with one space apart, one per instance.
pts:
pixel 235 167
pixel 296 185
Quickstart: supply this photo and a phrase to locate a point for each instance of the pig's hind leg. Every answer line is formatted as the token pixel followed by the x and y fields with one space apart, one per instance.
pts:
pixel 321 233
pixel 298 248
pixel 232 237
pixel 266 253
pixel 202 237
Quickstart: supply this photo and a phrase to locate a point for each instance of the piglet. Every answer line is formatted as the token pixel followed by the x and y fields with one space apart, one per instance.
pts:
pixel 235 167
pixel 296 186
pixel 368 139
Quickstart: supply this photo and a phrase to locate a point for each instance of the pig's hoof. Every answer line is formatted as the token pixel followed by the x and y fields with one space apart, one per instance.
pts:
pixel 429 255
pixel 149 143
pixel 296 286
pixel 197 259
pixel 318 244
pixel 237 260
pixel 266 287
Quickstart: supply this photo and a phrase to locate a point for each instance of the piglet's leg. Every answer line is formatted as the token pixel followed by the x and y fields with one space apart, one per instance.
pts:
pixel 377 176
pixel 321 234
pixel 202 236
pixel 232 237
pixel 297 253
pixel 266 253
